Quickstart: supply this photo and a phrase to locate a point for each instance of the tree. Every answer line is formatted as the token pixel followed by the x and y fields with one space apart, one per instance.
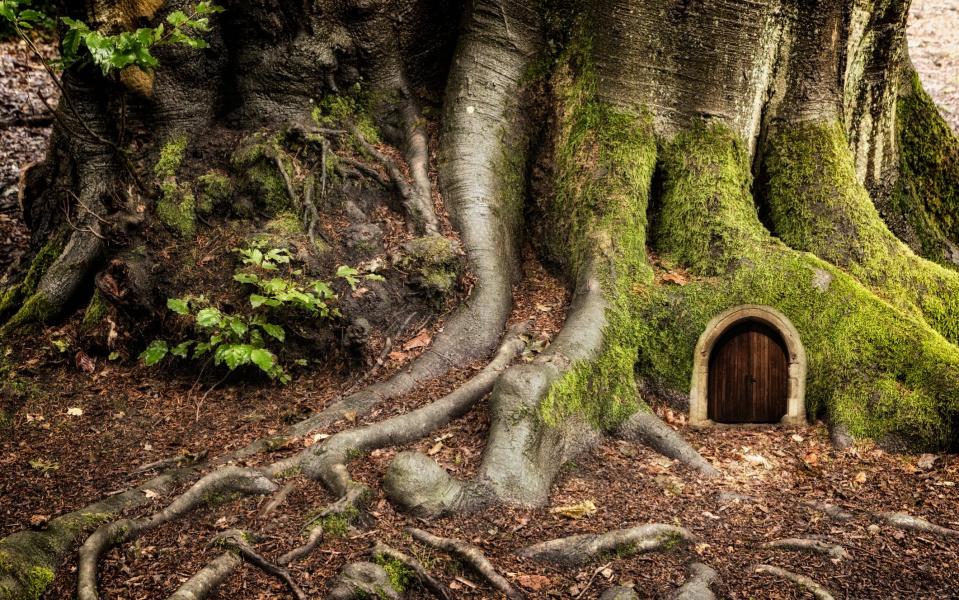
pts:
pixel 778 152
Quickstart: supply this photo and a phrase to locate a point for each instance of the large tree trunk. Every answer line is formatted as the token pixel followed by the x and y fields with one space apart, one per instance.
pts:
pixel 779 153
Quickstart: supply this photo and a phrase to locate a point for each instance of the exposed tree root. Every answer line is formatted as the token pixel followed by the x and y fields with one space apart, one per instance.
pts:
pixel 522 457
pixel 418 158
pixel 578 550
pixel 833 551
pixel 236 540
pixel 700 577
pixel 470 554
pixel 362 580
pixel 832 511
pixel 429 582
pixel 327 462
pixel 312 541
pixel 619 593
pixel 904 521
pixel 802 581
pixel 233 480
pixel 646 428
pixel 208 578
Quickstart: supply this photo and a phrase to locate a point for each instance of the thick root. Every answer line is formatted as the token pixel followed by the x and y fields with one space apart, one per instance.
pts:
pixel 577 550
pixel 232 480
pixel 208 578
pixel 472 556
pixel 381 550
pixel 904 521
pixel 818 591
pixel 646 428
pixel 833 551
pixel 818 205
pixel 876 371
pixel 699 581
pixel 362 580
pixel 327 463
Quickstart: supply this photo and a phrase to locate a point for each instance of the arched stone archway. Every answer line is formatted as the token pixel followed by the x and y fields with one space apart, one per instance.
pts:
pixel 796 355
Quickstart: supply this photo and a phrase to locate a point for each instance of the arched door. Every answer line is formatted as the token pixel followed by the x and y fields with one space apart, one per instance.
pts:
pixel 748 375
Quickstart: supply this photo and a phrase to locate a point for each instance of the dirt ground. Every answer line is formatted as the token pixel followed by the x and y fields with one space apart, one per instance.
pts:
pixel 55 458
pixel 934 49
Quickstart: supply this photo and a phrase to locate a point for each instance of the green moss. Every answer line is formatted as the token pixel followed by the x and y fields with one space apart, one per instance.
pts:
pixel 399 574
pixel 96 310
pixel 14 296
pixel 927 195
pixel 286 224
pixel 605 159
pixel 28 559
pixel 177 209
pixel 212 188
pixel 817 204
pixel 171 157
pixel 856 343
pixel 336 524
pixel 37 309
pixel 434 262
pixel 339 110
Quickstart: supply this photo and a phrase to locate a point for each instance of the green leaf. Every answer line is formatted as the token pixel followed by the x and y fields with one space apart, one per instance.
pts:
pixel 234 355
pixel 374 277
pixel 155 352
pixel 180 307
pixel 263 359
pixel 238 326
pixel 349 274
pixel 177 18
pixel 274 331
pixel 182 349
pixel 249 278
pixel 201 349
pixel 256 300
pixel 209 317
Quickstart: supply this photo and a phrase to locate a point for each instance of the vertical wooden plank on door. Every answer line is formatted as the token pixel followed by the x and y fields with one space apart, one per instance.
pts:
pixel 748 375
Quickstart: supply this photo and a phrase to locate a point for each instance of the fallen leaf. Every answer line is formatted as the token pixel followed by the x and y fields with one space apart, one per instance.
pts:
pixel 543 308
pixel 860 477
pixel 797 438
pixel 75 411
pixel 579 510
pixel 675 278
pixel 927 462
pixel 38 520
pixel 85 363
pixel 150 494
pixel 397 356
pixel 435 449
pixel 811 459
pixel 758 459
pixel 421 340
pixel 532 582
pixel 466 582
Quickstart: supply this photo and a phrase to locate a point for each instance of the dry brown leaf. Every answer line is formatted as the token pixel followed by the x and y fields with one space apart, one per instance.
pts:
pixel 85 363
pixel 675 278
pixel 435 449
pixel 421 340
pixel 532 582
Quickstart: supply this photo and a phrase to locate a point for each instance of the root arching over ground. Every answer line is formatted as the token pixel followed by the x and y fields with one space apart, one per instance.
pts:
pixel 659 206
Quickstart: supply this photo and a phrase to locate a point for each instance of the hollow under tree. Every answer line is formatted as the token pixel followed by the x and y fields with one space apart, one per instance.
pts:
pixel 779 152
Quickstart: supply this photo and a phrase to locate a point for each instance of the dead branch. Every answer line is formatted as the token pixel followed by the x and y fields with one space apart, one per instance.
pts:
pixel 236 541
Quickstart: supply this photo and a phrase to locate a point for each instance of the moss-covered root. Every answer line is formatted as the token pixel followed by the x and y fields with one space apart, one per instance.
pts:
pixel 874 369
pixel 230 480
pixel 926 198
pixel 364 580
pixel 578 550
pixel 28 559
pixel 817 204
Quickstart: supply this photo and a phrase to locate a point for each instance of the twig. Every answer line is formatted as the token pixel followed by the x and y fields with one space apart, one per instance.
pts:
pixel 802 581
pixel 235 540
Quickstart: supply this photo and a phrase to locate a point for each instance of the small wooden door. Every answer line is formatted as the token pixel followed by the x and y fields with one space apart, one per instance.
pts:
pixel 748 375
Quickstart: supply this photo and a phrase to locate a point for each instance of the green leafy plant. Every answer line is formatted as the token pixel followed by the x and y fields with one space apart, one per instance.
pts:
pixel 274 291
pixel 128 48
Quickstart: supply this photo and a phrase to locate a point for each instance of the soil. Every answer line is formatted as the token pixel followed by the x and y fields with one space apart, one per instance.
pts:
pixel 934 49
pixel 79 433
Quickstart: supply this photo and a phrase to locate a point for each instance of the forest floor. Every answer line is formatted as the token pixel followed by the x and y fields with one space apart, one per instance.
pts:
pixel 81 433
